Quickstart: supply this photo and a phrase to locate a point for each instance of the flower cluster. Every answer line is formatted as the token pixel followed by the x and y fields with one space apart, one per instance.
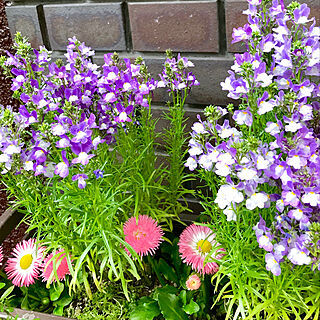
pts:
pixel 29 262
pixel 176 75
pixel 67 110
pixel 271 157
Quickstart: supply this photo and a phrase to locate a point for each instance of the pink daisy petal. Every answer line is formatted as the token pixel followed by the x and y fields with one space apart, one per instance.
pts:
pixel 195 244
pixel 61 265
pixel 24 267
pixel 144 235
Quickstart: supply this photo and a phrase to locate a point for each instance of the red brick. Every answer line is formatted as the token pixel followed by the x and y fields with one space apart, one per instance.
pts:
pixel 188 26
pixel 99 25
pixel 235 19
pixel 25 20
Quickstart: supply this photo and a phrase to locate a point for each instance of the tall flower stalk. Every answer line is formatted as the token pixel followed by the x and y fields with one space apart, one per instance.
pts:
pixel 264 170
pixel 177 78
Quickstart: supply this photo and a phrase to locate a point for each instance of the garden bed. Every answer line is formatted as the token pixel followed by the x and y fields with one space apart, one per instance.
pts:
pixel 80 159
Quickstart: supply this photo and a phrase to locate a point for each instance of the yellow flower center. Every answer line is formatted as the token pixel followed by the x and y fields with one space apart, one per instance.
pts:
pixel 139 234
pixel 26 261
pixel 204 246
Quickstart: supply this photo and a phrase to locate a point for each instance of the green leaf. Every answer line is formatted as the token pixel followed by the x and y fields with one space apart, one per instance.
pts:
pixel 167 271
pixel 170 307
pixel 165 290
pixel 58 311
pixel 55 291
pixel 2 285
pixel 64 300
pixel 191 308
pixel 183 297
pixel 147 309
pixel 7 292
pixel 24 303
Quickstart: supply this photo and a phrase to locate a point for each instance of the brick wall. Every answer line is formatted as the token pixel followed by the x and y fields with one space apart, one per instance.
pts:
pixel 201 30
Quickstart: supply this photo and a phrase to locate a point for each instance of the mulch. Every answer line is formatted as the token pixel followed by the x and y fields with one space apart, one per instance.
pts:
pixel 16 235
pixel 5 45
pixel 6 99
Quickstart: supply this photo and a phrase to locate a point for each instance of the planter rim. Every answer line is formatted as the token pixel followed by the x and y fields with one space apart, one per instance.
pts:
pixel 8 221
pixel 30 315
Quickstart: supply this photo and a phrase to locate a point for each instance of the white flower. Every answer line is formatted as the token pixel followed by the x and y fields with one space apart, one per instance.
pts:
pixel 295 162
pixel 205 162
pixel 228 194
pixel 265 79
pixel 293 126
pixel 123 116
pixel 226 158
pixel 306 109
pixel 222 169
pixel 231 215
pixel 4 158
pixel 195 151
pixel 262 163
pixel 110 96
pixel 11 149
pixel 191 163
pixel 312 198
pixel 247 174
pixel 198 128
pixel 280 205
pixel 226 85
pixel 273 128
pixel 284 83
pixel 314 158
pixel 111 76
pixel 58 130
pixel 28 166
pixel 72 98
pixel 297 214
pixel 298 257
pixel 226 133
pixel 127 86
pixel 214 155
pixel 264 107
pixel 256 200
pixel 306 91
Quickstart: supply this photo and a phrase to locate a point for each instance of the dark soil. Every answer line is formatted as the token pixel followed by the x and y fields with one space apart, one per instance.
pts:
pixel 6 99
pixel 5 44
pixel 16 235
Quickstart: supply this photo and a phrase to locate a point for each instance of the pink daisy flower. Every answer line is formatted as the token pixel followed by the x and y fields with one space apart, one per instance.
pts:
pixel 61 266
pixel 143 234
pixel 193 282
pixel 24 267
pixel 195 244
